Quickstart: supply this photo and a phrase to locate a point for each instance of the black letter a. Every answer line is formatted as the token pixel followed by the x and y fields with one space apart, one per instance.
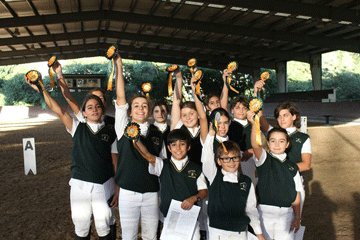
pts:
pixel 28 145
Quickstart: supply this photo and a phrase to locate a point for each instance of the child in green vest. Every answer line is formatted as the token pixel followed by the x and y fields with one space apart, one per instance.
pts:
pixel 180 179
pixel 279 185
pixel 138 196
pixel 232 200
pixel 92 184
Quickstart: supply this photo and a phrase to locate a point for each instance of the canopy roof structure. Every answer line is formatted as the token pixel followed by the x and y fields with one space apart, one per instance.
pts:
pixel 255 33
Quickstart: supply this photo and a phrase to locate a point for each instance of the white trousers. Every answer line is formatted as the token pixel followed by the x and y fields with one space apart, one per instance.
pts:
pixel 132 206
pixel 84 204
pixel 219 234
pixel 276 221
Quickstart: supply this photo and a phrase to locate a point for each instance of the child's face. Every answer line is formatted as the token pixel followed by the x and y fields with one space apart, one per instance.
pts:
pixel 239 111
pixel 278 143
pixel 93 111
pixel 229 162
pixel 286 119
pixel 160 114
pixel 178 149
pixel 189 117
pixel 139 110
pixel 214 102
pixel 223 126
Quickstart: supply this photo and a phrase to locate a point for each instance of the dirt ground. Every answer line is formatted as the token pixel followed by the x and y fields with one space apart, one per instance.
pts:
pixel 37 206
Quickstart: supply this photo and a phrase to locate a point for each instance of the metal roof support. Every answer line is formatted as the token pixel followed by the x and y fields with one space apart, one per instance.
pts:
pixel 316 71
pixel 281 76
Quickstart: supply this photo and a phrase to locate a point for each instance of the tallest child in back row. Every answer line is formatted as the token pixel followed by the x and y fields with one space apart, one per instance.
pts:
pixel 138 197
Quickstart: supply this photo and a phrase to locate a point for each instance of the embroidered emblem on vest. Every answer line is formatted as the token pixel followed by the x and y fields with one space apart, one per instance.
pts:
pixel 298 140
pixel 105 137
pixel 155 140
pixel 291 168
pixel 192 174
pixel 243 186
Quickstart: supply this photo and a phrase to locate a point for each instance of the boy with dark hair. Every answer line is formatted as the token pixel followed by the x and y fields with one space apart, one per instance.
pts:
pixel 180 179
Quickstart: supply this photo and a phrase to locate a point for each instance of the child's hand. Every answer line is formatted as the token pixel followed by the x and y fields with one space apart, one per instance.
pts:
pixel 295 225
pixel 258 86
pixel 33 86
pixel 114 202
pixel 250 116
pixel 188 203
pixel 226 74
pixel 57 69
pixel 260 237
pixel 118 59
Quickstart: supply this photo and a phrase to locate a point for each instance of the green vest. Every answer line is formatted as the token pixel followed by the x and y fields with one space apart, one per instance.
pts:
pixel 177 184
pixel 153 140
pixel 194 154
pixel 227 203
pixel 132 169
pixel 91 154
pixel 297 142
pixel 240 134
pixel 276 186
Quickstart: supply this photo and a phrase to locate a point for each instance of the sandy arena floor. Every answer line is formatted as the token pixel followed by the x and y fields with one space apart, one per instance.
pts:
pixel 37 206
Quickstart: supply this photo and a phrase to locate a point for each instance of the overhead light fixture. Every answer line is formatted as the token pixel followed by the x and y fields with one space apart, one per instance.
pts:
pixel 149 30
pixel 168 5
pixel 32 47
pixel 16 32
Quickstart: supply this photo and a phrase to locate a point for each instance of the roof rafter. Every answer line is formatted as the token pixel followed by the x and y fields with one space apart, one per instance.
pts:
pixel 331 43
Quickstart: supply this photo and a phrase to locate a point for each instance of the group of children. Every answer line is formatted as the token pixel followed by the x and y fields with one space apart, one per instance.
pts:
pixel 204 158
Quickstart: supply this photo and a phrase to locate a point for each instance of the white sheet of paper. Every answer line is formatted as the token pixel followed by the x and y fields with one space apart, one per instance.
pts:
pixel 299 235
pixel 179 223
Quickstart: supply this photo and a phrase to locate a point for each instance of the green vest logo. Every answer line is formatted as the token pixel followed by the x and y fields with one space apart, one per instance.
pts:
pixel 105 137
pixel 192 174
pixel 298 140
pixel 155 140
pixel 243 186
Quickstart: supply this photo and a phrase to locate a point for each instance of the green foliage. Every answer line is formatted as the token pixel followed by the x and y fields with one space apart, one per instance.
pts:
pixel 17 92
pixel 347 85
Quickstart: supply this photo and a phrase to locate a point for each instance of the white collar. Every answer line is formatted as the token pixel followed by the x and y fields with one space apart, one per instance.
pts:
pixel 230 177
pixel 195 131
pixel 179 163
pixel 95 127
pixel 144 127
pixel 242 122
pixel 281 157
pixel 291 130
pixel 161 126
pixel 222 139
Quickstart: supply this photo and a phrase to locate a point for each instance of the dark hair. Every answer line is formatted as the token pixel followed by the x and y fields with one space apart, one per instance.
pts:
pixel 293 109
pixel 103 91
pixel 281 130
pixel 160 103
pixel 89 97
pixel 208 96
pixel 179 134
pixel 230 147
pixel 239 99
pixel 132 98
pixel 220 110
pixel 188 104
